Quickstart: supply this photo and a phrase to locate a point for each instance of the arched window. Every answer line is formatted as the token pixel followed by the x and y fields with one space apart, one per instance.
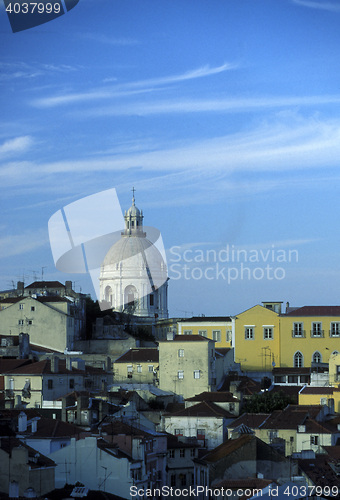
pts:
pixel 130 296
pixel 317 358
pixel 298 360
pixel 108 294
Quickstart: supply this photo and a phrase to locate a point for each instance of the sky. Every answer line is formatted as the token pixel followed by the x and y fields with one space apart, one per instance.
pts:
pixel 224 115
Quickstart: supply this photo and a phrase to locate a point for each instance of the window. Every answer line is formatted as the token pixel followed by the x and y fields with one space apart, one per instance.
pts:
pixel 150 368
pixel 316 330
pixel 249 332
pixel 228 336
pixel 33 308
pixel 178 432
pixel 197 373
pixel 129 368
pixel 314 440
pixel 182 452
pixel 217 335
pixel 171 453
pixel 203 333
pixel 187 332
pixel 200 433
pixel 21 322
pixel 298 360
pixel 182 479
pixel 139 368
pixel 21 306
pixel 50 384
pixel 192 452
pixel 181 374
pixel 181 353
pixel 71 383
pixel 268 332
pixel 298 330
pixel 317 358
pixel 30 322
pixel 293 379
pixel 335 329
pixel 151 299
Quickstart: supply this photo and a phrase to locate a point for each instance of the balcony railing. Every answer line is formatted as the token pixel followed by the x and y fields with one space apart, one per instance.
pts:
pixel 333 333
pixel 317 333
pixel 298 334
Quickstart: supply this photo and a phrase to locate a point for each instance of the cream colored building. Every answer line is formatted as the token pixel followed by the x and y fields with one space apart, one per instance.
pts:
pixel 138 366
pixel 49 320
pixel 43 381
pixel 187 365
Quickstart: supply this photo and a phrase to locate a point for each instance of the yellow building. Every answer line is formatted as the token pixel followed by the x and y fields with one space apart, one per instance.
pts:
pixel 217 328
pixel 257 339
pixel 301 337
pixel 310 335
pixel 329 396
pixel 334 369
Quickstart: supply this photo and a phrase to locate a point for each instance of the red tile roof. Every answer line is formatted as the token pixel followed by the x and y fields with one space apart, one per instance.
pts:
pixel 227 448
pixel 142 355
pixel 252 420
pixel 221 397
pixel 203 409
pixel 316 311
pixel 45 284
pixel 44 367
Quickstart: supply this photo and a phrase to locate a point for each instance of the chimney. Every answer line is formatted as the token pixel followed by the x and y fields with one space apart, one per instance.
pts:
pixel 68 363
pixel 17 401
pixel 22 422
pixel 68 287
pixel 54 364
pixel 20 288
pixel 170 336
pixel 287 307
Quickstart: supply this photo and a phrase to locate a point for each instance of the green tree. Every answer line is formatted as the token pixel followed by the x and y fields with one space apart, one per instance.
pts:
pixel 266 402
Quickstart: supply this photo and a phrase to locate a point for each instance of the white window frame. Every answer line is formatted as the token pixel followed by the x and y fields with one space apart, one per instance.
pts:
pixel 139 368
pixel 316 330
pixel 298 329
pixel 249 332
pixel 334 330
pixel 216 335
pixel 197 374
pixel 150 368
pixel 203 333
pixel 181 353
pixel 268 332
pixel 187 332
pixel 180 374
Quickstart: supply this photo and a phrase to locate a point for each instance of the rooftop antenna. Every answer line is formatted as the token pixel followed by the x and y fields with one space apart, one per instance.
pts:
pixel 42 272
pixel 34 274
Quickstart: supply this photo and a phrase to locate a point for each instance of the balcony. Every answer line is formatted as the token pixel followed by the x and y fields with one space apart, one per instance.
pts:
pixel 298 334
pixel 317 334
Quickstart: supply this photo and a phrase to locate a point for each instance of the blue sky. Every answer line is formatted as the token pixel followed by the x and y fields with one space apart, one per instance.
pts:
pixel 224 115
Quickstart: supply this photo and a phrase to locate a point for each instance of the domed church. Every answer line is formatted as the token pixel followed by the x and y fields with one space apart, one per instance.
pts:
pixel 133 275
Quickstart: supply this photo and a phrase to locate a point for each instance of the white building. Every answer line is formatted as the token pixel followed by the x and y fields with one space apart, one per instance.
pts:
pixel 133 276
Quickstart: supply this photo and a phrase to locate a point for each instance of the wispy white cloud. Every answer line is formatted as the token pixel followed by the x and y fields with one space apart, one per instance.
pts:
pixel 220 105
pixel 128 88
pixel 16 145
pixel 18 244
pixel 322 5
pixel 108 40
pixel 21 70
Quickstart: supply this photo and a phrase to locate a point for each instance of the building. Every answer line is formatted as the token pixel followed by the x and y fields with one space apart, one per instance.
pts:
pixel 215 328
pixel 267 338
pixel 139 366
pixel 206 422
pixel 187 365
pixel 24 471
pixel 51 321
pixel 133 276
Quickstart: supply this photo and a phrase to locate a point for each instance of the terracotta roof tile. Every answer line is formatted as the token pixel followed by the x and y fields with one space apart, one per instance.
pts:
pixel 204 409
pixel 216 396
pixel 142 355
pixel 227 448
pixel 316 311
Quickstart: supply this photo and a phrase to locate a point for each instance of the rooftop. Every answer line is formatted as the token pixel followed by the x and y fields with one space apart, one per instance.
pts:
pixel 204 409
pixel 315 311
pixel 142 355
